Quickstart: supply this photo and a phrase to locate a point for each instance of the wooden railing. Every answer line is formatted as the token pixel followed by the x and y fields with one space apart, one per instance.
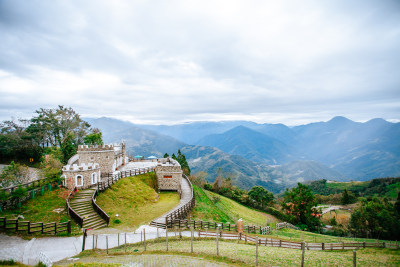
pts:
pixel 99 211
pixel 38 227
pixel 108 179
pixel 186 224
pixel 183 211
pixel 298 245
pixel 74 215
pixel 36 183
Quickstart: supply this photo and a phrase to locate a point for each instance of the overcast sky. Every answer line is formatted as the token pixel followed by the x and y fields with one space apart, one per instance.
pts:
pixel 176 61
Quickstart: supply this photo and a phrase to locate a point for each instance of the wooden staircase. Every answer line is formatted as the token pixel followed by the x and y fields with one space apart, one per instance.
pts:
pixel 82 205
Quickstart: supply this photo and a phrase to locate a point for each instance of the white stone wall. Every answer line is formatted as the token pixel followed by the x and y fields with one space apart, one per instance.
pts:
pixel 169 175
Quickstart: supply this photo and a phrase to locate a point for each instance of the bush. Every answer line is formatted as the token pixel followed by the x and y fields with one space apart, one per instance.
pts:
pixel 117 221
pixel 4 195
pixel 20 192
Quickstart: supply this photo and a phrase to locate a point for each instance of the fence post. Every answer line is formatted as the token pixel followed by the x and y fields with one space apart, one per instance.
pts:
pixel 84 239
pixel 280 242
pixel 93 241
pixel 323 246
pixel 144 238
pixel 55 228
pixel 191 240
pixel 302 253
pixel 29 227
pixel 166 236
pixel 256 250
pixel 118 239
pixel 125 242
pixel 354 258
pixel 69 227
pixel 107 243
pixel 42 228
pixel 216 235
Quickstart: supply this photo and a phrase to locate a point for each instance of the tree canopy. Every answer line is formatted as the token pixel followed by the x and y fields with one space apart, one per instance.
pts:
pixel 299 204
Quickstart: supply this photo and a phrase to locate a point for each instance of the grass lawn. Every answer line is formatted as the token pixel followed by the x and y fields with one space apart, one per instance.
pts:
pixel 244 255
pixel 135 201
pixel 51 207
pixel 214 207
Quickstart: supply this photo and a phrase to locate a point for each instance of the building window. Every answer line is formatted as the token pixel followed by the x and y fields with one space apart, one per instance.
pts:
pixel 79 180
pixel 91 158
pixel 167 176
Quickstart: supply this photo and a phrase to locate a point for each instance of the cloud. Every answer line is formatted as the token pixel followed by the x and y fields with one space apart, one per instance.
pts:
pixel 177 61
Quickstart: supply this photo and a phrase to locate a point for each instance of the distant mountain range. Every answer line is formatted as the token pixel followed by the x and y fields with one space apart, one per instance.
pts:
pixel 272 155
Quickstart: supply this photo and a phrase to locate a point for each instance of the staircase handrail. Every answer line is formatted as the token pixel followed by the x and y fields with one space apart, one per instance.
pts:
pixel 99 211
pixel 73 214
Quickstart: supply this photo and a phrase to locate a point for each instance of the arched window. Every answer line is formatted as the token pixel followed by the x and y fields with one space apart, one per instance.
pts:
pixel 79 180
pixel 94 178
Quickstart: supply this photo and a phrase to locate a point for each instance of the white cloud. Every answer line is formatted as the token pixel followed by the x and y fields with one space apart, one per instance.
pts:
pixel 172 61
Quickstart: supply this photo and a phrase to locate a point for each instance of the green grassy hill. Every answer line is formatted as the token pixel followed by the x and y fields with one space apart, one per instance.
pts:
pixel 47 208
pixel 214 207
pixel 135 201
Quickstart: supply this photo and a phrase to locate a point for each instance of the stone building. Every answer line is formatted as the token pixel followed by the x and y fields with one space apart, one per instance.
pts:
pixel 169 174
pixel 85 168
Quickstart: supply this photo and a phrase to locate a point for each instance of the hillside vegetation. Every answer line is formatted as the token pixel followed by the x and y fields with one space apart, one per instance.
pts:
pixel 47 208
pixel 135 201
pixel 213 207
pixel 388 187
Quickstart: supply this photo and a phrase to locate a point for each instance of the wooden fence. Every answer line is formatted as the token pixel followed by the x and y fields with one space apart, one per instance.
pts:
pixel 40 187
pixel 32 184
pixel 99 211
pixel 108 179
pixel 186 224
pixel 73 214
pixel 32 227
pixel 182 212
pixel 298 245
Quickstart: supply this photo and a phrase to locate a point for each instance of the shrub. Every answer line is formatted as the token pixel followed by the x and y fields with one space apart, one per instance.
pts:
pixel 20 192
pixel 117 221
pixel 4 195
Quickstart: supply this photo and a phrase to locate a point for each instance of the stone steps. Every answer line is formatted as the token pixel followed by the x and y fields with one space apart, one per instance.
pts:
pixel 82 204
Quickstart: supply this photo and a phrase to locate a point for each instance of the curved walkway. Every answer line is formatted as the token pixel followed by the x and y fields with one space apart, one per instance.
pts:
pixel 185 198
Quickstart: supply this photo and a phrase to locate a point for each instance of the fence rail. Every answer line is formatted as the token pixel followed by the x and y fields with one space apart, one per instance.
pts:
pixel 35 183
pixel 183 211
pixel 298 245
pixel 73 214
pixel 98 210
pixel 35 227
pixel 110 178
pixel 186 224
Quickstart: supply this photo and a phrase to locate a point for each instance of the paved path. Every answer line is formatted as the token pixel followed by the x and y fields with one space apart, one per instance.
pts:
pixel 148 260
pixel 58 248
pixel 185 198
